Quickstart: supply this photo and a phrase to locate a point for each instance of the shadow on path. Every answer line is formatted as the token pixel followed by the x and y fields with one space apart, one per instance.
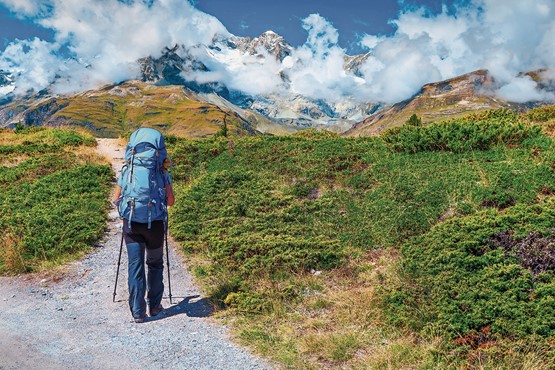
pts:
pixel 188 306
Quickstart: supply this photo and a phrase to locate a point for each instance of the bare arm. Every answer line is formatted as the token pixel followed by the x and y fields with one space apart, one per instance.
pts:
pixel 117 193
pixel 169 194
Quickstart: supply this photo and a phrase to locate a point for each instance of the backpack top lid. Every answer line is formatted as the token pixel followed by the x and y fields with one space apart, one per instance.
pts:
pixel 143 139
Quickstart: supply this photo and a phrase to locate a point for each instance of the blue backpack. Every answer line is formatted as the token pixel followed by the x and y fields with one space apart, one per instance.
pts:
pixel 143 193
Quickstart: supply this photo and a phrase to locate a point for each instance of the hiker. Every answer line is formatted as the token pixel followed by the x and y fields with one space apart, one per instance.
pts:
pixel 143 192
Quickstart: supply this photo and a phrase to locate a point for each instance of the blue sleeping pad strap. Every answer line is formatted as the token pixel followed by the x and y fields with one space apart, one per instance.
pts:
pixel 131 213
pixel 149 214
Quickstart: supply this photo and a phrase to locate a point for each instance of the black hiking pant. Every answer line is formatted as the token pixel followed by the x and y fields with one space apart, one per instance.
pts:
pixel 141 240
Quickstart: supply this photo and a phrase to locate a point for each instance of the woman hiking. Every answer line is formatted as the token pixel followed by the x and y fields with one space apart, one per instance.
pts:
pixel 143 192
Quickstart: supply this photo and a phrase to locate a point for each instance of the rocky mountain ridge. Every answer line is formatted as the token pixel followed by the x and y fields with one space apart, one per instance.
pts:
pixel 176 64
pixel 438 101
pixel 275 113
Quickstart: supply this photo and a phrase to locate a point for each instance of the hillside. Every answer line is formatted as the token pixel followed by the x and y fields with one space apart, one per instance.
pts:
pixel 431 247
pixel 428 247
pixel 117 109
pixel 438 101
pixel 176 109
pixel 52 197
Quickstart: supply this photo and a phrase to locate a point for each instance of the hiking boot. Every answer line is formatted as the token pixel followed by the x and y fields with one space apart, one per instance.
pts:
pixel 156 310
pixel 139 320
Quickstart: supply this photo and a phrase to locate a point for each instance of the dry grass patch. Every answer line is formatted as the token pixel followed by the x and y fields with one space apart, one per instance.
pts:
pixel 13 160
pixel 88 155
pixel 11 258
pixel 337 322
pixel 549 129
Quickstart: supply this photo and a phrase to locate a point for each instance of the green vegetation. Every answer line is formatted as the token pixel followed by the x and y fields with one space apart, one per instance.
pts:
pixel 52 198
pixel 541 114
pixel 471 282
pixel 414 120
pixel 119 110
pixel 428 247
pixel 477 132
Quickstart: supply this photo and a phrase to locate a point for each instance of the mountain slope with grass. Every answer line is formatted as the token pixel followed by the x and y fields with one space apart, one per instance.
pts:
pixel 427 247
pixel 436 102
pixel 119 109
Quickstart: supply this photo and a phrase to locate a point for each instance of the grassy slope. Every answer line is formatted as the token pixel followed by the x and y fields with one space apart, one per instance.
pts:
pixel 120 109
pixel 450 99
pixel 117 110
pixel 300 237
pixel 52 198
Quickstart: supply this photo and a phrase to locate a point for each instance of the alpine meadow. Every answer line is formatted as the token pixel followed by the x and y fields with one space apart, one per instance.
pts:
pixel 428 247
pixel 53 199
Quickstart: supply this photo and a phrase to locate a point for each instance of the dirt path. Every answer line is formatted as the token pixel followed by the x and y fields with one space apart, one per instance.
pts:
pixel 68 320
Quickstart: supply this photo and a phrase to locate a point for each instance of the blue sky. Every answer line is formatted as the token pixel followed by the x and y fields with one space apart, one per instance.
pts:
pixel 12 27
pixel 352 18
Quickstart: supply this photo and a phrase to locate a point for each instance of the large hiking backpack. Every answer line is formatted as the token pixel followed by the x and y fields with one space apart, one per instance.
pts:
pixel 143 193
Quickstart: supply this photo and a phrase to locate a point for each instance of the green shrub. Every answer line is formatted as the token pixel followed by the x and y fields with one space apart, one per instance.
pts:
pixel 292 204
pixel 414 120
pixel 461 135
pixel 315 134
pixel 281 208
pixel 52 208
pixel 541 114
pixel 469 282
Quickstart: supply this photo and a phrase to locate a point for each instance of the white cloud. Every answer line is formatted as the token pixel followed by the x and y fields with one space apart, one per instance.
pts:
pixel 109 36
pixel 370 41
pixel 26 8
pixel 239 71
pixel 316 68
pixel 523 89
pixel 506 37
pixel 30 62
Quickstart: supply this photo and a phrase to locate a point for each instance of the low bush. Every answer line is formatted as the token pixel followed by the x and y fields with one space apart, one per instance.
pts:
pixel 490 271
pixel 541 114
pixel 471 133
pixel 51 207
pixel 282 211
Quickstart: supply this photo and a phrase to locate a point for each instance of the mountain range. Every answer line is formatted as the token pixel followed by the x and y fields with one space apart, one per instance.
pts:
pixel 165 96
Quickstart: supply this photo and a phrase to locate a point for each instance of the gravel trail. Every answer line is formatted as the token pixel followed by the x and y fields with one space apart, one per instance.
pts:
pixel 67 320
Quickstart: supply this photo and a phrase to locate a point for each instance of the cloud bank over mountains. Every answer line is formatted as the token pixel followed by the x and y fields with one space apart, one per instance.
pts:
pixel 100 41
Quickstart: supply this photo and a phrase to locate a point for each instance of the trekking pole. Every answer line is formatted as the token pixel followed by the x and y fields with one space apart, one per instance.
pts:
pixel 168 263
pixel 119 263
